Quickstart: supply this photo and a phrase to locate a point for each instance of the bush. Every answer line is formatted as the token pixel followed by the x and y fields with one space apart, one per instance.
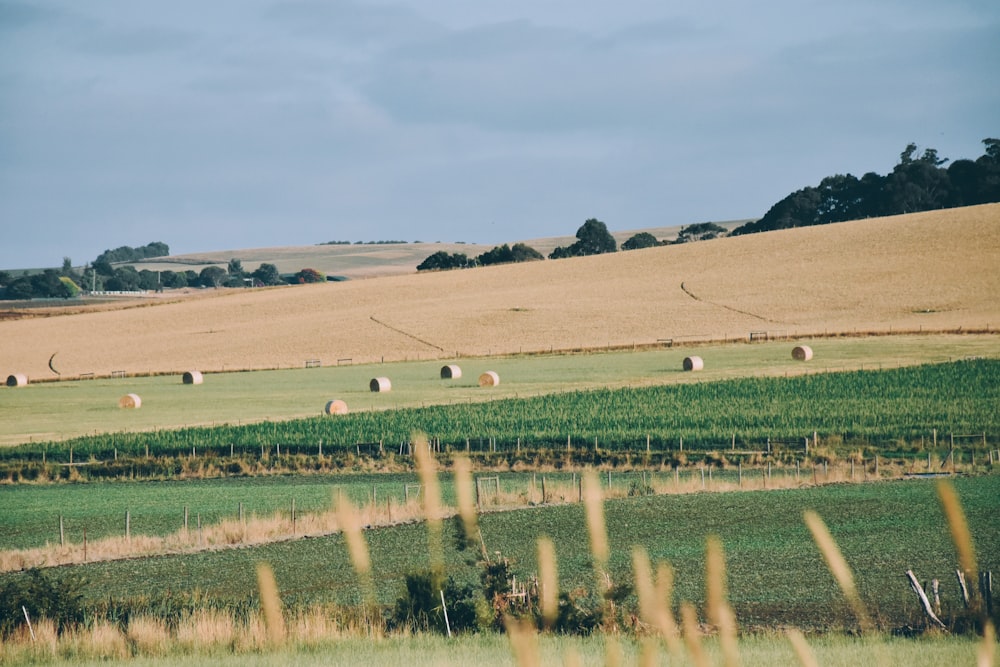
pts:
pixel 420 608
pixel 42 596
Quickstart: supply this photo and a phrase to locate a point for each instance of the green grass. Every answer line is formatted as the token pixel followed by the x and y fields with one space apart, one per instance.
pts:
pixel 487 650
pixel 776 575
pixel 58 410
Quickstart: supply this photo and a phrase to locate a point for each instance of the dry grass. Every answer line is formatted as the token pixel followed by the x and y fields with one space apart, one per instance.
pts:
pixel 875 275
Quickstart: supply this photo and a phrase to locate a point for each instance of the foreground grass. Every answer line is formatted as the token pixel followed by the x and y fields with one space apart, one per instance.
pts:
pixel 421 650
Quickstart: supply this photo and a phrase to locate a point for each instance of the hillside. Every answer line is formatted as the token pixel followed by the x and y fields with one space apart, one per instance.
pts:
pixel 366 260
pixel 926 271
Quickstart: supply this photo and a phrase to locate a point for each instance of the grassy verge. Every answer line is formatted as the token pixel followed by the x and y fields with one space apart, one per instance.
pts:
pixel 418 651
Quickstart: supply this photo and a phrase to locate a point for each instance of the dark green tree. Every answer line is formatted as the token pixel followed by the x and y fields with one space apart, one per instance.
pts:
pixel 173 279
pixel 20 289
pixel 592 238
pixel 266 274
pixel 125 279
pixel 700 231
pixel 506 254
pixel 641 240
pixel 212 276
pixel 442 260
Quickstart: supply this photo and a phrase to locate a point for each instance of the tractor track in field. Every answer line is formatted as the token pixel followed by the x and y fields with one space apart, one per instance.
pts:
pixel 730 308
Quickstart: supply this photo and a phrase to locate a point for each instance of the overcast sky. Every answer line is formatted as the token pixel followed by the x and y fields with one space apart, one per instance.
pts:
pixel 248 123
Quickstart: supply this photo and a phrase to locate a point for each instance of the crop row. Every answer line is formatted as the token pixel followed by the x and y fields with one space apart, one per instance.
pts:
pixel 884 408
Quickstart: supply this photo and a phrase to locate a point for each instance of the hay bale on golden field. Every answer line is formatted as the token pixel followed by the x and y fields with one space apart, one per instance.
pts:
pixel 380 384
pixel 193 377
pixel 693 363
pixel 451 372
pixel 335 407
pixel 802 353
pixel 17 380
pixel 489 379
pixel 130 401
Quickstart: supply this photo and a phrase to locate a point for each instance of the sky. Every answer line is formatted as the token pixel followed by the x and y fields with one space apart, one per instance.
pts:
pixel 251 123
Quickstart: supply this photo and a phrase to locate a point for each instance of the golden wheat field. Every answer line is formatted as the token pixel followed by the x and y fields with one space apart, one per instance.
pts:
pixel 930 271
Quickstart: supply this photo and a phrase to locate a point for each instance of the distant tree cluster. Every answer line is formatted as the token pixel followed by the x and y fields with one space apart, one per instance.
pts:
pixel 702 231
pixel 504 254
pixel 128 254
pixel 593 238
pixel 364 242
pixel 917 183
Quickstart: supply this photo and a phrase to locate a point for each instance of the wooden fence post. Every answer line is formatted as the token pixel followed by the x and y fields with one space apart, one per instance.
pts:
pixel 924 602
pixel 62 535
pixel 128 526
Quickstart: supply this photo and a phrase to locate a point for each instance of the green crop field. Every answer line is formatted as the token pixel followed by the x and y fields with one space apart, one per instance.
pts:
pixel 51 411
pixel 776 574
pixel 906 408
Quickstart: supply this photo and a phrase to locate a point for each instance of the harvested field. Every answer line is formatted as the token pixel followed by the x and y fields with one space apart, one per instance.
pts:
pixel 885 275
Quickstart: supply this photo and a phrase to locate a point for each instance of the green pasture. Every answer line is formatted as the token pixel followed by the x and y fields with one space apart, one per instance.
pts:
pixel 901 412
pixel 48 411
pixel 488 650
pixel 777 576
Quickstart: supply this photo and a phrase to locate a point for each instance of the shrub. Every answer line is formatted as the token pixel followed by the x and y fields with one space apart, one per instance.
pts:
pixel 42 596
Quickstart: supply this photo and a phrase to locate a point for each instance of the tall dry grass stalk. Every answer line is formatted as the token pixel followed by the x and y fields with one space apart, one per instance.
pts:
pixel 523 641
pixel 986 654
pixel 665 597
pixel 838 567
pixel 548 581
pixel 655 599
pixel 270 603
pixel 612 651
pixel 149 635
pixel 692 635
pixel 802 649
pixel 719 610
pixel 466 499
pixel 960 533
pixel 649 655
pixel 427 469
pixel 357 548
pixel 593 501
pixel 101 641
pixel 206 629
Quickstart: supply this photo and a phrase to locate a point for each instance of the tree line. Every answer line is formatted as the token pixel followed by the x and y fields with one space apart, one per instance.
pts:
pixel 919 182
pixel 101 276
pixel 592 238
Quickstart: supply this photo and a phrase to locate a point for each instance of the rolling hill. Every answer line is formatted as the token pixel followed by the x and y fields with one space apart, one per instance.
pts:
pixel 930 271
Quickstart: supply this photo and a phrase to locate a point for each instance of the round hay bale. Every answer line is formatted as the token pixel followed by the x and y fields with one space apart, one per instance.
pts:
pixel 335 407
pixel 693 363
pixel 450 372
pixel 802 353
pixel 380 384
pixel 130 401
pixel 193 377
pixel 489 379
pixel 17 380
